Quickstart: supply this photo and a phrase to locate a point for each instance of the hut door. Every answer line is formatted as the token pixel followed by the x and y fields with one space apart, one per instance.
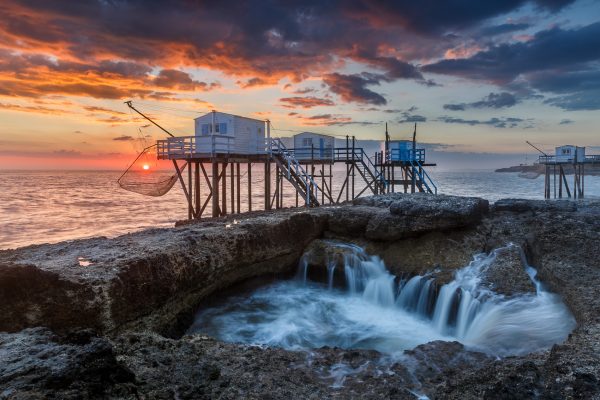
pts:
pixel 321 147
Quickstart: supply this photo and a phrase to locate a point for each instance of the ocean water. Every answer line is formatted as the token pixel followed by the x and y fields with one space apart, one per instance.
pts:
pixel 51 206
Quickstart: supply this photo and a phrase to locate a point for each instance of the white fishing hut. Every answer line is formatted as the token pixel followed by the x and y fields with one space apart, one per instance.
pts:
pixel 218 132
pixel 313 146
pixel 570 153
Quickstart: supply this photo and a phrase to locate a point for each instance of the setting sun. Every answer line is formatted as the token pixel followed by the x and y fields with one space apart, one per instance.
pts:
pixel 146 167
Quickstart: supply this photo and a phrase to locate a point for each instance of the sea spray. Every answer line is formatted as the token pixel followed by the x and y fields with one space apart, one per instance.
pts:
pixel 374 310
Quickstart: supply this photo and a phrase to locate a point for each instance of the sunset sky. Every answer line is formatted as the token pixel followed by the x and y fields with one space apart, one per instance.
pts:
pixel 478 76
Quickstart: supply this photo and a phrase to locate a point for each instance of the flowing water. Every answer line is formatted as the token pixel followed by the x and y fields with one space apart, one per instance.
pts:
pixel 51 206
pixel 376 310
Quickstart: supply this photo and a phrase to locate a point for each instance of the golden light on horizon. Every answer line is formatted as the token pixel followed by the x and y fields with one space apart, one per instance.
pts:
pixel 146 167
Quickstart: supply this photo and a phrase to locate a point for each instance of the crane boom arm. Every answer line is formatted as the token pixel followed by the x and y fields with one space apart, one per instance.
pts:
pixel 529 143
pixel 148 118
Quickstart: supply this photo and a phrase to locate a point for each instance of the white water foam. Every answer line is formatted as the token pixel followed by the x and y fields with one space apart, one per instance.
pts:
pixel 373 311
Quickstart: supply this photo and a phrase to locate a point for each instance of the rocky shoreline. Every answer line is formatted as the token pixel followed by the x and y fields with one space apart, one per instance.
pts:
pixel 104 318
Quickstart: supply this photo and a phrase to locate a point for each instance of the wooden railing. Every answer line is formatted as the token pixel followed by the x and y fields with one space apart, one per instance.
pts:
pixel 190 146
pixel 568 159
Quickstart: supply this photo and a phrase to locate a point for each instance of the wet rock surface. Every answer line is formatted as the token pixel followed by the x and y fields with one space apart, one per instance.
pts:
pixel 507 275
pixel 37 364
pixel 140 286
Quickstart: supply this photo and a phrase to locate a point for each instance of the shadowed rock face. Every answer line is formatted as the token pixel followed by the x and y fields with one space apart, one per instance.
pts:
pixel 37 364
pixel 147 279
pixel 148 283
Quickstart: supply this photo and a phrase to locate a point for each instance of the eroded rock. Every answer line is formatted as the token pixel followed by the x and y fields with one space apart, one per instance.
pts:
pixel 37 364
pixel 506 274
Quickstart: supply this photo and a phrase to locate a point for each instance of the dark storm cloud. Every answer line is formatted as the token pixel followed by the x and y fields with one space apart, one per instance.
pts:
pixel 260 41
pixel 353 88
pixel 495 122
pixel 411 118
pixel 438 16
pixel 503 28
pixel 563 62
pixel 586 100
pixel 174 79
pixel 493 100
pixel 548 50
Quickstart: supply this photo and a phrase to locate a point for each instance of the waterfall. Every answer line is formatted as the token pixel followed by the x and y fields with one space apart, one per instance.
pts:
pixel 463 308
pixel 362 305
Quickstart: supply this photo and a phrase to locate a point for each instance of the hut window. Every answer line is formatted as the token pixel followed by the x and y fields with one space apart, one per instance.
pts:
pixel 222 128
pixel 566 151
pixel 205 129
pixel 307 142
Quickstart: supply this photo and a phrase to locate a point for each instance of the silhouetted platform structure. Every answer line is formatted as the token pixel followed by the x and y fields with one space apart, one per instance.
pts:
pixel 223 142
pixel 566 159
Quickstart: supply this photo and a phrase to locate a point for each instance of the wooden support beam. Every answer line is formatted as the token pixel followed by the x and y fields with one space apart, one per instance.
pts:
pixel 323 183
pixel 216 211
pixel 331 183
pixel 206 177
pixel 275 198
pixel 197 189
pixel 185 191
pixel 565 181
pixel 232 184
pixel 281 189
pixel 267 185
pixel 249 187
pixel 191 212
pixel 560 182
pixel 342 189
pixel 582 180
pixel 239 188
pixel 224 189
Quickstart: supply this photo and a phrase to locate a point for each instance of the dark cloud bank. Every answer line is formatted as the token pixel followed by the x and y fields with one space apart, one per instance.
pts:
pixel 262 42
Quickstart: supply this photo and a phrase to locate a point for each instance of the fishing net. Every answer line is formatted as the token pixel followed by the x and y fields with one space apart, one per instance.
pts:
pixel 149 176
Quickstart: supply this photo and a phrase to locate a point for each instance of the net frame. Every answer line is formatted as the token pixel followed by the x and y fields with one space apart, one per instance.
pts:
pixel 154 188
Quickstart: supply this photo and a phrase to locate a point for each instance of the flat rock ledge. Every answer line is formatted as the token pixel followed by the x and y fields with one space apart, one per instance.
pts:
pixel 113 310
pixel 154 279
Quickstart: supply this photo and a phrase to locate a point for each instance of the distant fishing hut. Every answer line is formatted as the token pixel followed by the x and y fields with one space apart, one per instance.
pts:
pixel 403 163
pixel 223 142
pixel 566 159
pixel 313 146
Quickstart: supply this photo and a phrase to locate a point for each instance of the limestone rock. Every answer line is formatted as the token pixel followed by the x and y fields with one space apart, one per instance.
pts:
pixel 506 274
pixel 521 205
pixel 36 364
pixel 149 278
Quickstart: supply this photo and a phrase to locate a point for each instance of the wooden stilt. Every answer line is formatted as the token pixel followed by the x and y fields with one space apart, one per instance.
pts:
pixel 224 189
pixel 560 182
pixel 197 189
pixel 190 203
pixel 276 194
pixel 239 188
pixel 185 191
pixel 267 185
pixel 582 181
pixel 249 187
pixel 281 190
pixel 232 184
pixel 215 189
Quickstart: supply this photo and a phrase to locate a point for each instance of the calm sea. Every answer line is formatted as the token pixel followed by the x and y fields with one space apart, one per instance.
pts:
pixel 51 206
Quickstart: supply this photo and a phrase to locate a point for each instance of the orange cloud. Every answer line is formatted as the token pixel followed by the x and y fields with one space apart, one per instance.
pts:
pixel 305 102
